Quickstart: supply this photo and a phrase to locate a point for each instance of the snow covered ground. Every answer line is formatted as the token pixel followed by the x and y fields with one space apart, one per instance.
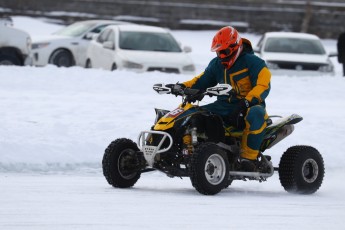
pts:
pixel 56 122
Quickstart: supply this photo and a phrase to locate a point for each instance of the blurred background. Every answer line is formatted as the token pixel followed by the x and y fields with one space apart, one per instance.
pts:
pixel 323 18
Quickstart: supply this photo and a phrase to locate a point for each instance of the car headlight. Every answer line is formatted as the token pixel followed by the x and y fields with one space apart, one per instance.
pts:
pixel 132 65
pixel 271 65
pixel 39 45
pixel 327 68
pixel 188 68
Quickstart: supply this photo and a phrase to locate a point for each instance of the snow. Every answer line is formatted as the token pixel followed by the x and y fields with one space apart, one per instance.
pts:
pixel 56 122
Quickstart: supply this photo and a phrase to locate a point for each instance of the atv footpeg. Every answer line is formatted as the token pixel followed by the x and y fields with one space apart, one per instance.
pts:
pixel 250 175
pixel 265 169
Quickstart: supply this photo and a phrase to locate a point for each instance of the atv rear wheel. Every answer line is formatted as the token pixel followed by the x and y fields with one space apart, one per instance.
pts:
pixel 301 170
pixel 120 163
pixel 209 169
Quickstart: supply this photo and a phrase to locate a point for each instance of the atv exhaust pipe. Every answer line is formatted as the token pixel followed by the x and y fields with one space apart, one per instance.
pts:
pixel 282 133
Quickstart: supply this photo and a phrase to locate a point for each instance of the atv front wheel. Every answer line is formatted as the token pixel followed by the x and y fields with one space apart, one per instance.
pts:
pixel 120 163
pixel 301 170
pixel 209 169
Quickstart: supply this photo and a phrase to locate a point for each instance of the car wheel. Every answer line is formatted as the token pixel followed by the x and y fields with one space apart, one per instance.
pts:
pixel 9 60
pixel 62 57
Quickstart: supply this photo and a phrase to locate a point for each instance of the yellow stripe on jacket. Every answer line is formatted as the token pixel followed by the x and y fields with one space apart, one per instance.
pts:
pixel 190 83
pixel 262 85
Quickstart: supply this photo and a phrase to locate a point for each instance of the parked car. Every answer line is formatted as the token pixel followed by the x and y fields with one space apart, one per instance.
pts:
pixel 15 44
pixel 138 48
pixel 67 47
pixel 285 52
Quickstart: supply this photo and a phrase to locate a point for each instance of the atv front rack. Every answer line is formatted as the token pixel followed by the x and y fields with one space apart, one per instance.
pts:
pixel 150 151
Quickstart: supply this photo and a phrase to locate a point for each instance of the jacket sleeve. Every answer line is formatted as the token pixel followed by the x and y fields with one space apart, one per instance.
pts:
pixel 260 79
pixel 205 79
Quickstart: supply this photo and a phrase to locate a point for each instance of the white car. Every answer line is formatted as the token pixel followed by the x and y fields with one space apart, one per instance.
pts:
pixel 289 52
pixel 67 47
pixel 15 44
pixel 138 48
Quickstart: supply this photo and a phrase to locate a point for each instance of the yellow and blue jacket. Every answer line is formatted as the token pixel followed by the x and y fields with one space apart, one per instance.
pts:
pixel 249 77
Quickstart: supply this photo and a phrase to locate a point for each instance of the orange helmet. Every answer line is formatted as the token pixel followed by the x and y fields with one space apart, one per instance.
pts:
pixel 228 44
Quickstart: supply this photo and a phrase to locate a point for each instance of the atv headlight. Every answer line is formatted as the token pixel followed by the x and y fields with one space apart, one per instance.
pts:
pixel 132 65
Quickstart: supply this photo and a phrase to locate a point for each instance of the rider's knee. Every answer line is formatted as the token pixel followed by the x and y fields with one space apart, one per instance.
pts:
pixel 256 112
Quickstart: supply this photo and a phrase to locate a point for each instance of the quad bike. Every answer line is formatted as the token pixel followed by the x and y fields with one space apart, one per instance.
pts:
pixel 192 142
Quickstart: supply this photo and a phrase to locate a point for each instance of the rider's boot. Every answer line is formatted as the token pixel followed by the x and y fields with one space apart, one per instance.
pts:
pixel 247 165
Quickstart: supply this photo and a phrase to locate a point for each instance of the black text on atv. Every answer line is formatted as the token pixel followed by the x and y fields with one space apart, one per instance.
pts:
pixel 192 142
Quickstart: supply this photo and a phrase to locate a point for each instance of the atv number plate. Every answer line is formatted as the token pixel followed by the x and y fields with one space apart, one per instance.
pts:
pixel 175 112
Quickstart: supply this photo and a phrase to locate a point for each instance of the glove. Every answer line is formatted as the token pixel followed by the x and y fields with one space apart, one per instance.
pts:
pixel 177 89
pixel 237 116
pixel 197 97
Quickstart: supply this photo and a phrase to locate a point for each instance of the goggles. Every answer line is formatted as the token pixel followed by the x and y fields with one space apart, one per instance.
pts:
pixel 222 54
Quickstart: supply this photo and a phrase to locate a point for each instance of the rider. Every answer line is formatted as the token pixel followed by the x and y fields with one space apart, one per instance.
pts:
pixel 249 77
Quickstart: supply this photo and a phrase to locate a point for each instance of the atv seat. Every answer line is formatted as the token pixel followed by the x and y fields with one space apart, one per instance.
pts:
pixel 231 131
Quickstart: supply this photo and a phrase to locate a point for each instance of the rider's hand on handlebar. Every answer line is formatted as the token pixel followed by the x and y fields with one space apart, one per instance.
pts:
pixel 197 97
pixel 177 89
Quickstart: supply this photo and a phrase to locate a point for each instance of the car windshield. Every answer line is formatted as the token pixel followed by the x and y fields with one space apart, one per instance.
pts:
pixel 148 41
pixel 294 45
pixel 75 29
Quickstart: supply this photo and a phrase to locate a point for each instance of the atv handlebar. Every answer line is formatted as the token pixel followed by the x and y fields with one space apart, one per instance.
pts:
pixel 179 90
pixel 192 95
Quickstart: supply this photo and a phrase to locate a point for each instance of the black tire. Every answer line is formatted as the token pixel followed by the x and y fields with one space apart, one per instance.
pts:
pixel 9 60
pixel 88 64
pixel 228 184
pixel 118 158
pixel 209 169
pixel 62 57
pixel 301 170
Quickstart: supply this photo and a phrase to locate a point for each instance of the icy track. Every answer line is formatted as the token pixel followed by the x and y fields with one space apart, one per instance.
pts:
pixel 56 122
pixel 84 201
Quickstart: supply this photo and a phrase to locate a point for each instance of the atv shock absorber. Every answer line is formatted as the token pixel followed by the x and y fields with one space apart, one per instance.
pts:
pixel 194 136
pixel 187 141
